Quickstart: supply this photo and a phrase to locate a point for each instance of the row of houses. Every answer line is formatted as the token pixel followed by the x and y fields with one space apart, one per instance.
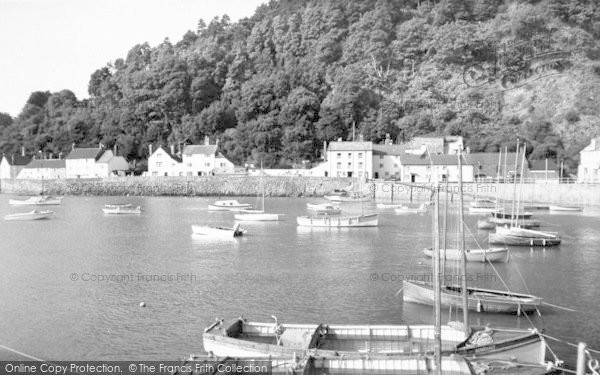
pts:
pixel 193 160
pixel 96 162
pixel 421 160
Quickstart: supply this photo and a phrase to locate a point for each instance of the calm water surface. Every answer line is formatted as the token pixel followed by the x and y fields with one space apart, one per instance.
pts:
pixel 298 274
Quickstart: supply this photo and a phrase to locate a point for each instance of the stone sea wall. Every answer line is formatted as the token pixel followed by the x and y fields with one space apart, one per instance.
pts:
pixel 232 185
pixel 566 194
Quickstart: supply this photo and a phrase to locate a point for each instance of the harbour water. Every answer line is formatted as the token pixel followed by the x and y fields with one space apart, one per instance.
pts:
pixel 71 287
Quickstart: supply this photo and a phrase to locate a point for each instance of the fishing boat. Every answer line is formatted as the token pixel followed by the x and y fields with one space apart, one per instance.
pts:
pixel 384 206
pixel 482 206
pixel 523 223
pixel 565 208
pixel 515 240
pixel 229 205
pixel 324 209
pixel 242 338
pixel 32 215
pixel 480 300
pixel 347 196
pixel 117 205
pixel 316 364
pixel 411 210
pixel 462 296
pixel 370 220
pixel 500 214
pixel 218 232
pixel 121 210
pixel 36 201
pixel 258 215
pixel 496 254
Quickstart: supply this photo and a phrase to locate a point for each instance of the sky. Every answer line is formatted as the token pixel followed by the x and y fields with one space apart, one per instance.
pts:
pixel 52 45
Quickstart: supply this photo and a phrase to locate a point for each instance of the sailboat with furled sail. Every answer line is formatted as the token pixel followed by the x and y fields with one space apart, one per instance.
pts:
pixel 258 215
pixel 463 296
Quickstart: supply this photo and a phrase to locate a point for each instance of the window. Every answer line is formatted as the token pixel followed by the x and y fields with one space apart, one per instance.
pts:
pixel 360 165
pixel 380 165
pixel 153 174
pixel 349 155
pixel 222 165
pixel 339 165
pixel 207 164
pixel 189 165
pixel 387 173
pixel 339 155
pixel 360 155
pixel 395 165
pixel 158 164
pixel 349 165
pixel 158 154
pixel 380 157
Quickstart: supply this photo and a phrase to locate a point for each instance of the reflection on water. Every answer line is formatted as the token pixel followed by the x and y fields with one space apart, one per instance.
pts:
pixel 72 286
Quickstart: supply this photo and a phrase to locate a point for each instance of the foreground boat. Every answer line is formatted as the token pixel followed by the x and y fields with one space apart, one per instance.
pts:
pixel 565 208
pixel 480 300
pixel 36 201
pixel 229 205
pixel 253 339
pixel 121 210
pixel 523 223
pixel 32 215
pixel 339 221
pixel 384 206
pixel 500 214
pixel 218 232
pixel 324 209
pixel 116 205
pixel 497 254
pixel 315 364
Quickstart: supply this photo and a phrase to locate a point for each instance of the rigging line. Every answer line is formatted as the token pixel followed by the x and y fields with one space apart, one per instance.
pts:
pixel 568 343
pixel 559 307
pixel 493 268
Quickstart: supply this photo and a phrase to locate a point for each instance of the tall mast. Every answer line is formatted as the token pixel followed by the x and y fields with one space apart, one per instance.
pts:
pixel 498 180
pixel 262 182
pixel 521 184
pixel 514 200
pixel 461 246
pixel 437 297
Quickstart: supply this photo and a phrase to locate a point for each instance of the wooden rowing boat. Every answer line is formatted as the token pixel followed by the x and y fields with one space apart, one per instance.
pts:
pixel 497 254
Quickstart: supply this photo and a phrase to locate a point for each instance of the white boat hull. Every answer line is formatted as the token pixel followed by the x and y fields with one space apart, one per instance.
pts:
pixel 122 210
pixel 481 210
pixel 35 201
pixel 384 206
pixel 253 339
pixel 473 255
pixel 342 221
pixel 217 232
pixel 33 215
pixel 565 208
pixel 244 216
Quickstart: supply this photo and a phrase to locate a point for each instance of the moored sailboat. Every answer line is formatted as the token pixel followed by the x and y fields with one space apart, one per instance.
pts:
pixel 257 215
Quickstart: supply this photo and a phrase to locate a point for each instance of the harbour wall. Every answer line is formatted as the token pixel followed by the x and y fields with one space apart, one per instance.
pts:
pixel 567 194
pixel 230 185
pixel 295 186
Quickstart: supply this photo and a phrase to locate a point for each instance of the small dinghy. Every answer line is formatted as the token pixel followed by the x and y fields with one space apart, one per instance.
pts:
pixel 218 232
pixel 497 254
pixel 32 215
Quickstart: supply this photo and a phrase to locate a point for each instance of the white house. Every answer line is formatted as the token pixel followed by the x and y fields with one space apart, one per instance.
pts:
pixel 589 163
pixel 205 160
pixel 11 165
pixel 94 163
pixel 44 169
pixel 349 159
pixel 163 162
pixel 433 168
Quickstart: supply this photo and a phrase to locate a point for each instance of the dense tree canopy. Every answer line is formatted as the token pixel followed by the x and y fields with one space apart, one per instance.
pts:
pixel 274 86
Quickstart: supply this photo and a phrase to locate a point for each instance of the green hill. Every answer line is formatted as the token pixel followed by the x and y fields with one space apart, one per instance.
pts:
pixel 274 86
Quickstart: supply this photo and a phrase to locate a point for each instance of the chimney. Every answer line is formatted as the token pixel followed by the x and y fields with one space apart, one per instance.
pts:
pixel 217 142
pixel 172 149
pixel 150 149
pixel 324 150
pixel 72 146
pixel 339 139
pixel 360 137
pixel 206 140
pixel 22 151
pixel 100 145
pixel 388 141
pixel 115 149
pixel 60 155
